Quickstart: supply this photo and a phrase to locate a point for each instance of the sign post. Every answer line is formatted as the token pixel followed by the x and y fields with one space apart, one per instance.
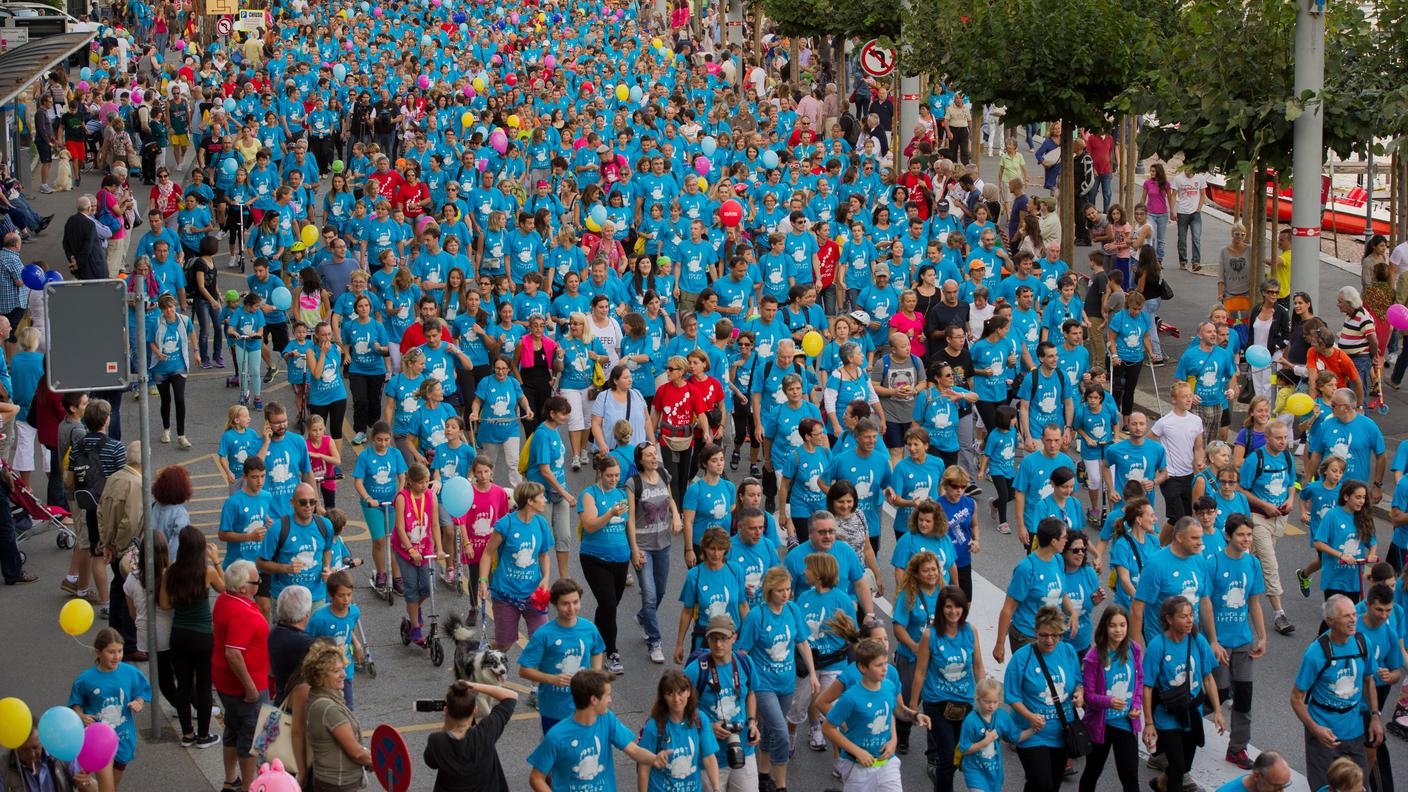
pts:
pixel 875 60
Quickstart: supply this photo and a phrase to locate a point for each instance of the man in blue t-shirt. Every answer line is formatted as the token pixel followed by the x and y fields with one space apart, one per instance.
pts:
pixel 559 649
pixel 1208 367
pixel 1032 483
pixel 1178 570
pixel 1354 438
pixel 575 755
pixel 1238 632
pixel 299 556
pixel 1268 478
pixel 1336 683
pixel 1137 458
pixel 285 456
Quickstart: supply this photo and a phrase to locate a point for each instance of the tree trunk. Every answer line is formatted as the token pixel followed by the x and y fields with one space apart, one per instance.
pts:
pixel 1256 228
pixel 839 45
pixel 794 62
pixel 1066 186
pixel 1398 210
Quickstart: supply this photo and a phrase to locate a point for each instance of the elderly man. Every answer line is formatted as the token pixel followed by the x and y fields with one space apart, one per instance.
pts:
pixel 1353 437
pixel 1269 771
pixel 1336 682
pixel 945 313
pixel 84 240
pixel 297 549
pixel 289 640
pixel 120 524
pixel 14 294
pixel 30 768
pixel 239 667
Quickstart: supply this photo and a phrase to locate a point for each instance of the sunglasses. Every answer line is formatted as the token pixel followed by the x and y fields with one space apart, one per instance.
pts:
pixel 306 501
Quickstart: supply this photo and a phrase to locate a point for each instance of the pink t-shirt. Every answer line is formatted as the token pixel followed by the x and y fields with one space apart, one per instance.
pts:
pixel 1158 198
pixel 911 327
pixel 419 514
pixel 486 510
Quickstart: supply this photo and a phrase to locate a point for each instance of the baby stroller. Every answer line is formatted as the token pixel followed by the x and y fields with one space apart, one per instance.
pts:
pixel 31 516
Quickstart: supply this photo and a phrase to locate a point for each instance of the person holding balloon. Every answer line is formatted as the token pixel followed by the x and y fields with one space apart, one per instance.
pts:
pixel 108 695
pixel 30 766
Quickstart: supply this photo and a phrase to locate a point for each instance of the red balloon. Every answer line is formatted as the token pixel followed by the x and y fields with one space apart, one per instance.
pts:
pixel 511 79
pixel 730 213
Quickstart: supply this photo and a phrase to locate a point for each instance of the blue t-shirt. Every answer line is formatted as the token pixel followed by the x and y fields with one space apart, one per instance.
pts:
pixel 578 758
pixel 1000 448
pixel 1119 683
pixel 870 475
pixel 755 560
pixel 287 462
pixel 1080 586
pixel 847 561
pixel 378 473
pixel 1169 664
pixel 982 770
pixel 1130 332
pixel 914 614
pixel 517 574
pixel 1035 583
pixel 1341 681
pixel 1168 575
pixel 238 445
pixel 555 649
pixel 1128 552
pixel 245 513
pixel 723 693
pixel 1232 583
pixel 1357 442
pixel 804 469
pixel 915 481
pixel 818 608
pixel 1210 372
pixel 770 639
pixel 1024 682
pixel 909 544
pixel 1337 530
pixel 306 543
pixel 1129 461
pixel 687 746
pixel 106 696
pixel 545 447
pixel 325 623
pixel 499 410
pixel 1268 476
pixel 714 592
pixel 608 542
pixel 1034 480
pixel 711 504
pixel 866 716
pixel 949 676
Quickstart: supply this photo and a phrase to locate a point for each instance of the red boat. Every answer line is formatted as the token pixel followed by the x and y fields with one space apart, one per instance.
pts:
pixel 1342 214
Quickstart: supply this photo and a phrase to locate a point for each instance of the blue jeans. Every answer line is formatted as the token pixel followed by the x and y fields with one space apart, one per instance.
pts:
pixel 1363 364
pixel 1105 185
pixel 772 721
pixel 652 577
pixel 1160 222
pixel 1190 224
pixel 1151 308
pixel 207 321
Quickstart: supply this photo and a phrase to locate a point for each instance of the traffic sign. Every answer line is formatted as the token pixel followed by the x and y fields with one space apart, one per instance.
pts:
pixel 87 335
pixel 391 762
pixel 225 26
pixel 875 60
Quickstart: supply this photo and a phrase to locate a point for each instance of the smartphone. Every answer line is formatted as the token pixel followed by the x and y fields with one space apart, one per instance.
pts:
pixel 430 705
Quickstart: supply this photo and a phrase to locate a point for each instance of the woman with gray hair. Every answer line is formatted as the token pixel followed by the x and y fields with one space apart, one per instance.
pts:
pixel 1358 336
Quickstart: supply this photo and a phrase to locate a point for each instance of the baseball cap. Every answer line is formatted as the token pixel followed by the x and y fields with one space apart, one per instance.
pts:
pixel 881 268
pixel 976 264
pixel 722 624
pixel 942 205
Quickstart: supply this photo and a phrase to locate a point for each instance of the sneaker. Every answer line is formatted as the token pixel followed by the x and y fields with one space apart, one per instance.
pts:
pixel 379 580
pixel 103 612
pixel 1070 768
pixel 152 391
pixel 1283 625
pixel 45 189
pixel 657 655
pixel 533 699
pixel 973 490
pixel 613 664
pixel 1304 581
pixel 755 470
pixel 270 374
pixel 258 403
pixel 182 442
pixel 1157 762
pixel 359 439
pixel 1160 362
pixel 1003 528
pixel 244 398
pixel 836 769
pixel 208 741
pixel 219 362
pixel 1240 759
pixel 577 462
pixel 630 578
pixel 165 435
pixel 734 459
pixel 187 740
pixel 815 740
pixel 644 636
pixel 205 364
pixel 92 596
pixel 417 636
pixel 69 586
pixel 398 586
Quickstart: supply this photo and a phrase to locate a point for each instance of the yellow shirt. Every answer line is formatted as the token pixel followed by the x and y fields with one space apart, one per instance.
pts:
pixel 1281 271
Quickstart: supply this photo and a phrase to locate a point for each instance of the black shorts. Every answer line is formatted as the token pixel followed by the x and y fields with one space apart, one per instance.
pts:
pixel 90 520
pixel 277 337
pixel 46 151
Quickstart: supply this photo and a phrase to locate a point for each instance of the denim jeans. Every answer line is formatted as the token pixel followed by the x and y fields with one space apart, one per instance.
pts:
pixel 1160 223
pixel 1105 186
pixel 772 721
pixel 1151 308
pixel 207 320
pixel 1363 364
pixel 1190 224
pixel 827 295
pixel 653 577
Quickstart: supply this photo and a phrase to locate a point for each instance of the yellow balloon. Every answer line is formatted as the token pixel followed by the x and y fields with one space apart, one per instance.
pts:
pixel 467 119
pixel 841 240
pixel 656 43
pixel 703 183
pixel 640 245
pixel 75 619
pixel 623 93
pixel 1300 404
pixel 15 722
pixel 812 343
pixel 593 225
pixel 512 120
pixel 478 84
pixel 309 235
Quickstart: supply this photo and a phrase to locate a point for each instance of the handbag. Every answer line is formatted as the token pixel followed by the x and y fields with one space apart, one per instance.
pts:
pixel 273 737
pixel 1165 290
pixel 956 711
pixel 1073 732
pixel 1179 700
pixel 1245 389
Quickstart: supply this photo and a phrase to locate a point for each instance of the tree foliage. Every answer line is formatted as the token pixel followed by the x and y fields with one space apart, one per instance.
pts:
pixel 798 17
pixel 1042 59
pixel 864 19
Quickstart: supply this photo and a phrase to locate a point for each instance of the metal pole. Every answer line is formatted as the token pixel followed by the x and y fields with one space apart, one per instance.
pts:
pixel 733 21
pixel 1369 201
pixel 148 539
pixel 906 117
pixel 1308 149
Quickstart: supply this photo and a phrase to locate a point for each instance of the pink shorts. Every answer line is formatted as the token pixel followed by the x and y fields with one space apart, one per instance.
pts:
pixel 506 617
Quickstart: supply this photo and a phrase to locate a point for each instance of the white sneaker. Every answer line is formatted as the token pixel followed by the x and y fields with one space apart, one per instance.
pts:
pixel 815 739
pixel 657 656
pixel 182 442
pixel 45 189
pixel 165 435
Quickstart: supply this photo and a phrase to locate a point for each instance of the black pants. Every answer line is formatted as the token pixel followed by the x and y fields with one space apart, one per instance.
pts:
pixel 322 148
pixel 742 424
pixel 333 415
pixel 173 388
pixel 537 387
pixel 366 400
pixel 943 738
pixel 678 463
pixel 1003 485
pixel 987 413
pixel 1125 382
pixel 607 581
pixel 1044 768
pixel 959 145
pixel 54 490
pixel 1126 750
pixel 190 660
pixel 1383 767
pixel 1178 497
pixel 10 564
pixel 118 617
pixel 965 581
pixel 1179 746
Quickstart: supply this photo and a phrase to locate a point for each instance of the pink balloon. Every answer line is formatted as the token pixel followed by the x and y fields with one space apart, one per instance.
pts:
pixel 82 85
pixel 377 11
pixel 483 164
pixel 99 747
pixel 701 165
pixel 1398 317
pixel 469 91
pixel 496 60
pixel 550 62
pixel 423 81
pixel 137 96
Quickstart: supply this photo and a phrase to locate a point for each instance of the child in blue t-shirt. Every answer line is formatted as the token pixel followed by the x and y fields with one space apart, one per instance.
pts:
pixel 341 620
pixel 114 693
pixel 862 723
pixel 999 460
pixel 977 738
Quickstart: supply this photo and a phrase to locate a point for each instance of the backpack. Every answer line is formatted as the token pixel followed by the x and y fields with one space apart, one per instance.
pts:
pixel 86 464
pixel 1330 659
pixel 285 525
pixel 918 369
pixel 107 219
pixel 706 670
pixel 523 453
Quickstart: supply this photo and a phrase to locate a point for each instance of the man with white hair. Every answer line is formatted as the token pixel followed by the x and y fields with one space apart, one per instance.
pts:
pixel 1335 684
pixel 84 239
pixel 120 524
pixel 1358 337
pixel 289 640
pixel 239 667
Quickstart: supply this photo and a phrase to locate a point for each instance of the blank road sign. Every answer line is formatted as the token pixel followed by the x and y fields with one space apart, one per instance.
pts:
pixel 86 331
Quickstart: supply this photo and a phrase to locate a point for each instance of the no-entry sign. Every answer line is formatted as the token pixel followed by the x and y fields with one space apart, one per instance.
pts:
pixel 875 60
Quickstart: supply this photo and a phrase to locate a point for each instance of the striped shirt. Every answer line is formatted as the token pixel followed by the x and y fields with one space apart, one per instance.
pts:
pixel 1358 336
pixel 112 452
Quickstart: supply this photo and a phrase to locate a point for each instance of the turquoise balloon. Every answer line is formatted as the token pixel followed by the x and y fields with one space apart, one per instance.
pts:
pixel 709 145
pixel 61 733
pixel 281 298
pixel 1258 356
pixel 769 159
pixel 457 495
pixel 340 72
pixel 599 214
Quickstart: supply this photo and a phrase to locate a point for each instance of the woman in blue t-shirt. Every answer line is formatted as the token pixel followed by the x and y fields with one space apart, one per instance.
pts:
pixel 712 588
pixel 950 657
pixel 170 340
pixel 365 345
pixel 606 551
pixel 499 398
pixel 1081 586
pixel 1113 673
pixel 1130 333
pixel 327 396
pixel 1040 677
pixel 1178 658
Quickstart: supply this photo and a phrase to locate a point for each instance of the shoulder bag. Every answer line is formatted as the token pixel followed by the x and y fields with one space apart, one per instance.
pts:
pixel 1073 732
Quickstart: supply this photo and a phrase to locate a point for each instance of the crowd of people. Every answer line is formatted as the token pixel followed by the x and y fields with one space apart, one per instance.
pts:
pixel 490 245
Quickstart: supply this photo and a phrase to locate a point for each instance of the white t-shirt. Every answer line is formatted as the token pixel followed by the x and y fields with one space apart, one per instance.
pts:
pixel 1179 434
pixel 1187 190
pixel 1399 257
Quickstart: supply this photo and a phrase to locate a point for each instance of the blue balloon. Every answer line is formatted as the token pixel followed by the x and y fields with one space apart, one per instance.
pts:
pixel 85 73
pixel 53 276
pixel 599 214
pixel 1258 356
pixel 636 93
pixel 769 159
pixel 281 298
pixel 339 72
pixel 61 733
pixel 459 18
pixel 229 166
pixel 426 40
pixel 230 105
pixel 457 495
pixel 708 145
pixel 33 276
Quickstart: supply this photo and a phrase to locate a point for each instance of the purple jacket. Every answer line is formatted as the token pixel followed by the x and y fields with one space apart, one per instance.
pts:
pixel 1096 700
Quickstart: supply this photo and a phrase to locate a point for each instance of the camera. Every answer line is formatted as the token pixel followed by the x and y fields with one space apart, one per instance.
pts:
pixel 430 705
pixel 736 760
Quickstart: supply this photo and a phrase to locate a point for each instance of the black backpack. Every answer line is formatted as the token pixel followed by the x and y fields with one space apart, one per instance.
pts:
pixel 86 464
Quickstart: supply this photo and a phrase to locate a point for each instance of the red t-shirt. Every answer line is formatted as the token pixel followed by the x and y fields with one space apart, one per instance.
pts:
pixel 409 197
pixel 827 254
pixel 1100 147
pixel 678 405
pixel 387 184
pixel 239 624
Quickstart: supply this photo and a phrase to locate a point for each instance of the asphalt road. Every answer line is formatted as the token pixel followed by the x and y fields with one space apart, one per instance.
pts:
pixel 41 665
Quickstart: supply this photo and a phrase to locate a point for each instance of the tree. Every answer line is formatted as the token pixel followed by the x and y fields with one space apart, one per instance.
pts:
pixel 1041 59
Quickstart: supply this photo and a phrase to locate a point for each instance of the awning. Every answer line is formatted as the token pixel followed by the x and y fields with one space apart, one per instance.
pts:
pixel 26 63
